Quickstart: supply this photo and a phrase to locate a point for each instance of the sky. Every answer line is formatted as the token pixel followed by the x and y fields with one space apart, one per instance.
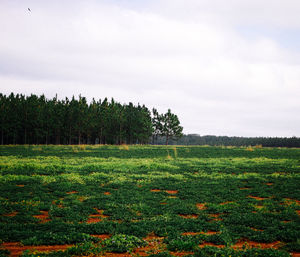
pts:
pixel 224 67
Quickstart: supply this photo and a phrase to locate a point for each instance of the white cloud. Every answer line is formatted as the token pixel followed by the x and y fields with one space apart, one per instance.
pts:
pixel 192 60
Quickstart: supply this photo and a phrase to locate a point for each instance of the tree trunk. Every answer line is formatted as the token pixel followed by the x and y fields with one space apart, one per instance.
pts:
pixel 70 136
pixel 167 139
pixel 25 136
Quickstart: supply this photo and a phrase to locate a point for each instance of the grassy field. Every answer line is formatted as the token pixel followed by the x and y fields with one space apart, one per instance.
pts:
pixel 149 201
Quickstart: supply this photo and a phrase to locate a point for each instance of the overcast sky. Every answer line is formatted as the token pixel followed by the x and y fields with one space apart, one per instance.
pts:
pixel 224 67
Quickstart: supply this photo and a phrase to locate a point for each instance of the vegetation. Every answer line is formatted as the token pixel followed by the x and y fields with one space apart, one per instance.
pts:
pixel 205 201
pixel 195 139
pixel 37 120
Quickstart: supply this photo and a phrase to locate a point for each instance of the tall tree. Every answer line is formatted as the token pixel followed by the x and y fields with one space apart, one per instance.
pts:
pixel 171 126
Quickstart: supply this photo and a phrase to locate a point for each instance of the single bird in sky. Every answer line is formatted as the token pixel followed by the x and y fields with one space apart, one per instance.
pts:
pixel 29 9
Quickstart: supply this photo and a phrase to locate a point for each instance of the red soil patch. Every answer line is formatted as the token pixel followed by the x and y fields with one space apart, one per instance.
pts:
pixel 259 206
pixel 107 193
pixel 245 188
pixel 257 198
pixel 256 229
pixel 215 216
pixel 94 218
pixel 208 233
pixel 295 254
pixel 16 249
pixel 81 198
pixel 152 236
pixel 155 245
pixel 201 206
pixel 155 190
pixel 298 212
pixel 43 217
pixel 163 203
pixel 269 184
pixel 72 192
pixel 20 185
pixel 189 216
pixel 118 255
pixel 179 254
pixel 290 201
pixel 102 236
pixel 286 221
pixel 210 244
pixel 172 191
pixel 12 214
pixel 240 244
pixel 226 202
pixel 58 205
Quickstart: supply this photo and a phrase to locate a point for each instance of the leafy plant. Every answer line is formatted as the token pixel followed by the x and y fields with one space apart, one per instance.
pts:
pixel 123 243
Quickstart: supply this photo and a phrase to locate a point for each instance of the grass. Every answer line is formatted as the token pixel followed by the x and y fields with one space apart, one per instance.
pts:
pixel 221 196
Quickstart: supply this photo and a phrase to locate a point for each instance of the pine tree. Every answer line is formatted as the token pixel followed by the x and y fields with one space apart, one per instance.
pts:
pixel 171 126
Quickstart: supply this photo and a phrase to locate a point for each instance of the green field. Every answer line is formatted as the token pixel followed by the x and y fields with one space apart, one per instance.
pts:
pixel 149 200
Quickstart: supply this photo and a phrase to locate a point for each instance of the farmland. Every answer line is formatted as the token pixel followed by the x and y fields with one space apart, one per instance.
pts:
pixel 149 201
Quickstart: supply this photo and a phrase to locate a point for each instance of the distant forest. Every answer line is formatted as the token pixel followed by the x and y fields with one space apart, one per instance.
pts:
pixel 37 120
pixel 194 139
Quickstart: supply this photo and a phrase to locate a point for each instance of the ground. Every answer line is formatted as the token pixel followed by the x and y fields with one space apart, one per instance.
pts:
pixel 143 200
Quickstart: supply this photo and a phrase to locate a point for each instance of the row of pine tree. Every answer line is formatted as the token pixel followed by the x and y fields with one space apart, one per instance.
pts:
pixel 37 120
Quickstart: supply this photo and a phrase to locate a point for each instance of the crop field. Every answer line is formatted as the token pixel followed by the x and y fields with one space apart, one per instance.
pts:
pixel 149 201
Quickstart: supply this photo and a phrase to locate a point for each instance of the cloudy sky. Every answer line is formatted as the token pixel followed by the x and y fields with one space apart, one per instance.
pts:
pixel 224 67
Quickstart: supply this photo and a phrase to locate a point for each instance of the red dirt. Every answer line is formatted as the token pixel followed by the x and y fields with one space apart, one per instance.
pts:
pixel 102 236
pixel 107 193
pixel 256 229
pixel 118 255
pixel 257 198
pixel 12 214
pixel 298 212
pixel 172 191
pixel 240 244
pixel 152 236
pixel 20 185
pixel 269 184
pixel 155 245
pixel 94 218
pixel 163 203
pixel 215 216
pixel 179 254
pixel 201 206
pixel 295 254
pixel 259 206
pixel 72 192
pixel 210 244
pixel 226 202
pixel 81 198
pixel 16 249
pixel 245 188
pixel 155 190
pixel 189 216
pixel 290 201
pixel 43 217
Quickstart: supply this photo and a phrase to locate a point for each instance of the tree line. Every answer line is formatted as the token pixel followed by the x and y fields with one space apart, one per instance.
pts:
pixel 37 120
pixel 195 139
